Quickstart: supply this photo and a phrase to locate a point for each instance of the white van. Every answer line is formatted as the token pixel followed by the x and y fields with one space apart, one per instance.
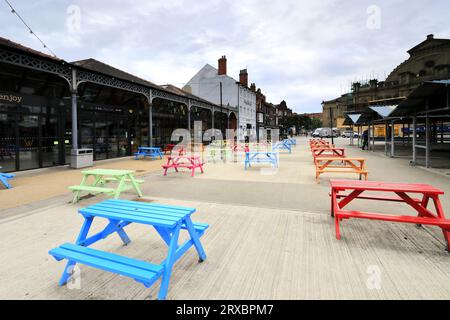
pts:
pixel 322 133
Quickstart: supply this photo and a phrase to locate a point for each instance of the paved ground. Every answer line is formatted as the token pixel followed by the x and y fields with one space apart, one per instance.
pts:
pixel 271 237
pixel 38 185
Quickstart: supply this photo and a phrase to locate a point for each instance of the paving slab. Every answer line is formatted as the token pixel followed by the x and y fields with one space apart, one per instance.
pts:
pixel 270 237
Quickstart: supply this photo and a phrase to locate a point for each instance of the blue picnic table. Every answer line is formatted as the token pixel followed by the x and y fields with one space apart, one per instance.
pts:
pixel 167 220
pixel 153 152
pixel 282 145
pixel 293 141
pixel 261 157
pixel 4 177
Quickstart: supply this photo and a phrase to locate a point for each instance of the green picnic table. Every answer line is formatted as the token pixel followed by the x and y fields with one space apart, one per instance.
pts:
pixel 101 177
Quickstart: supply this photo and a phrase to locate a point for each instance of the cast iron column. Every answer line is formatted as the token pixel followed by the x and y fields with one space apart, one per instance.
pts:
pixel 73 90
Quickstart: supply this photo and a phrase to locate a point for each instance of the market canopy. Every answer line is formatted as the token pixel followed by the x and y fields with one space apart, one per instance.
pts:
pixel 361 118
pixel 384 111
pixel 431 96
pixel 355 117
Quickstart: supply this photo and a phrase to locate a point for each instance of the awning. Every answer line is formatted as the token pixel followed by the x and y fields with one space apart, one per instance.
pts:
pixel 361 118
pixel 355 117
pixel 384 111
pixel 436 93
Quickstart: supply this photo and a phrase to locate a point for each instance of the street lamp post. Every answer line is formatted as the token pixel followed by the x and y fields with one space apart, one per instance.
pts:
pixel 331 125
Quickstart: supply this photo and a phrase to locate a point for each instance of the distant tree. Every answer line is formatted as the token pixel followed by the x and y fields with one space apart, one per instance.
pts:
pixel 316 123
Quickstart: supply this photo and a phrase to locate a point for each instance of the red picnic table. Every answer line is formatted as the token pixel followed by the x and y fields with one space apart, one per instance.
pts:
pixel 343 192
pixel 190 162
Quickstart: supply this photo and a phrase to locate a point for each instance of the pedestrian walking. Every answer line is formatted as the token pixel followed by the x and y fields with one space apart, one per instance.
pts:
pixel 365 140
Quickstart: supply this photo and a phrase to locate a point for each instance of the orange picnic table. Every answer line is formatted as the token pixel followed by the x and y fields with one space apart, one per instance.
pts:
pixel 340 165
pixel 323 152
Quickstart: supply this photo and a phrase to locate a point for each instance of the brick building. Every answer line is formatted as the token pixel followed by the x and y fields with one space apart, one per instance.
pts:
pixel 429 60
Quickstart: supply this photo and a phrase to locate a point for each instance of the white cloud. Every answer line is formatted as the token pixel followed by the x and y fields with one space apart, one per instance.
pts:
pixel 295 50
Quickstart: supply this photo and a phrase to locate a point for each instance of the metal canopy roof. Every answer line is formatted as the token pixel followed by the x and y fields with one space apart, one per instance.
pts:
pixel 384 111
pixel 362 117
pixel 436 93
pixel 355 117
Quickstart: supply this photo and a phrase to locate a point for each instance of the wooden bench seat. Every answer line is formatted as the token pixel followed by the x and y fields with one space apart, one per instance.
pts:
pixel 384 198
pixel 199 227
pixel 92 189
pixel 126 180
pixel 347 165
pixel 443 223
pixel 140 271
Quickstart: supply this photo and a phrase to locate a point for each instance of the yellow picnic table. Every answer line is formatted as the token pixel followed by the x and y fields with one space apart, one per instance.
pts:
pixel 101 177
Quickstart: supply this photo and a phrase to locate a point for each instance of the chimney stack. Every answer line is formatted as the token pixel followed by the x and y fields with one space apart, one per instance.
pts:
pixel 430 36
pixel 243 77
pixel 222 66
pixel 253 87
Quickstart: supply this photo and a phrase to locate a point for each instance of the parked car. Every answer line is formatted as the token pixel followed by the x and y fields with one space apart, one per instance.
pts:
pixel 348 134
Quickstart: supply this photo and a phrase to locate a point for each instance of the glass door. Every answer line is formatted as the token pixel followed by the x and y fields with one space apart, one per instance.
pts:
pixel 86 130
pixel 113 139
pixel 49 141
pixel 29 142
pixel 123 137
pixel 8 142
pixel 101 146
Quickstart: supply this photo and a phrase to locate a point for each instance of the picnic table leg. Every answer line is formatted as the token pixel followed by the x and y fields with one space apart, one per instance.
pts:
pixel 200 165
pixel 167 167
pixel 441 215
pixel 67 273
pixel 99 182
pixel 118 227
pixel 76 195
pixel 135 185
pixel 195 239
pixel 119 187
pixel 336 225
pixel 333 199
pixel 5 182
pixel 169 264
pixel 165 235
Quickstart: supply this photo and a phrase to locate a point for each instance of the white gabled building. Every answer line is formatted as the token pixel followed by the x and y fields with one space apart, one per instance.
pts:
pixel 217 87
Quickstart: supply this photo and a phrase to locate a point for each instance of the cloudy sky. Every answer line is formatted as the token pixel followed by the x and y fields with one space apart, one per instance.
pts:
pixel 301 51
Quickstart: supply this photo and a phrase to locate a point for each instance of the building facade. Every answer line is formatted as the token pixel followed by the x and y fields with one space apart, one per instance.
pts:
pixel 335 110
pixel 115 111
pixel 429 60
pixel 216 86
pixel 266 115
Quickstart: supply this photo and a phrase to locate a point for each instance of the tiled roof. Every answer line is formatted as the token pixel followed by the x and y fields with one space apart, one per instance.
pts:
pixel 98 66
pixel 181 92
pixel 15 45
